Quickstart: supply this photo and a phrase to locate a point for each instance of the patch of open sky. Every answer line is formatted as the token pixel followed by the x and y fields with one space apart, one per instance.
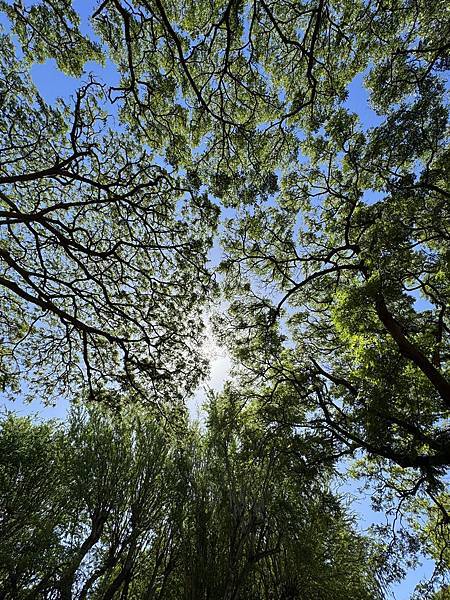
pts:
pixel 421 303
pixel 281 95
pixel 36 408
pixel 358 101
pixel 53 84
pixel 202 146
pixel 50 81
pixel 371 197
pixel 5 27
pixel 405 588
pixel 220 365
pixel 262 127
pixel 215 257
pixel 358 494
pixel 84 9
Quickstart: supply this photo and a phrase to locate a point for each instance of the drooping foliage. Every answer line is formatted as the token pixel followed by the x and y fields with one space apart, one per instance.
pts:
pixel 103 507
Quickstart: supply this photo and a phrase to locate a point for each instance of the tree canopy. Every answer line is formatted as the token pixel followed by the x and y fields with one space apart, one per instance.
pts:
pixel 102 506
pixel 232 125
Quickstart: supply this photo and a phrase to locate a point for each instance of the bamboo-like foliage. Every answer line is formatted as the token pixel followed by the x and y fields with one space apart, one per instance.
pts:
pixel 109 506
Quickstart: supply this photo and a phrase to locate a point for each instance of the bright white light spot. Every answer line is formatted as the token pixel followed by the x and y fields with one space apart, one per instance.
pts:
pixel 220 366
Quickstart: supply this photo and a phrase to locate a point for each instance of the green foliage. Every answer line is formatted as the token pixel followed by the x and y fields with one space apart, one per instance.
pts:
pixel 103 249
pixel 443 594
pixel 51 30
pixel 111 505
